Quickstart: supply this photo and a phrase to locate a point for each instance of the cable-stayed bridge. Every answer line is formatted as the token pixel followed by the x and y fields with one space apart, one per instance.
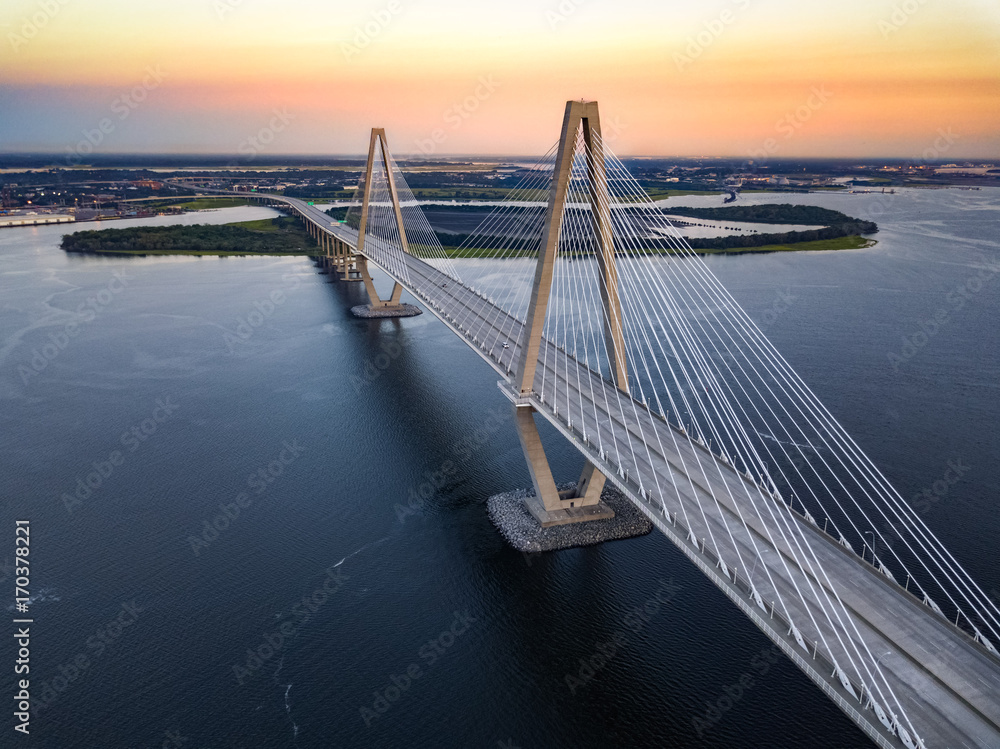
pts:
pixel 598 316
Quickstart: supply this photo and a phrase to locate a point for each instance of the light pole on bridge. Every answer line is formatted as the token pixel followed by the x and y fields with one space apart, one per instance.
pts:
pixel 865 533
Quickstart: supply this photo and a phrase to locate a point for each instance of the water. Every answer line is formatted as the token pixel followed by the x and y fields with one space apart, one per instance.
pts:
pixel 379 442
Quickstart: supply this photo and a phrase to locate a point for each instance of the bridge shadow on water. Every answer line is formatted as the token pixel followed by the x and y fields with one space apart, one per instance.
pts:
pixel 396 371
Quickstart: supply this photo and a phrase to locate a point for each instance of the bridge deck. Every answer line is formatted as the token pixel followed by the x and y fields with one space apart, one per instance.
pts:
pixel 948 685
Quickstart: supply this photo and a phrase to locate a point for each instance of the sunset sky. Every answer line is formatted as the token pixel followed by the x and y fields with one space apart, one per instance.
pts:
pixel 729 78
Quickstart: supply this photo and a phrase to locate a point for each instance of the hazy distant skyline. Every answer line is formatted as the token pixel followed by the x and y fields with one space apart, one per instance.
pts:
pixel 775 78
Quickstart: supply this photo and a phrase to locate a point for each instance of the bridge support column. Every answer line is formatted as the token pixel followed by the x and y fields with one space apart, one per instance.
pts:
pixel 328 253
pixel 340 259
pixel 549 506
pixel 583 502
pixel 373 297
pixel 378 307
pixel 346 262
pixel 590 484
pixel 334 248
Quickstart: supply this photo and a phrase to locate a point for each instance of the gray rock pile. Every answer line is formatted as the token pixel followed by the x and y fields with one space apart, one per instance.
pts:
pixel 403 310
pixel 518 526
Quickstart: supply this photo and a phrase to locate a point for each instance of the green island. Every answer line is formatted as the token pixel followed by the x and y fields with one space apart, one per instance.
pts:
pixel 659 193
pixel 475 193
pixel 284 235
pixel 205 204
pixel 838 230
pixel 850 242
pixel 770 213
pixel 200 203
pixel 277 236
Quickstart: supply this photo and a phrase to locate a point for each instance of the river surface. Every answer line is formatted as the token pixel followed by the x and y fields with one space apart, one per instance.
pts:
pixel 285 544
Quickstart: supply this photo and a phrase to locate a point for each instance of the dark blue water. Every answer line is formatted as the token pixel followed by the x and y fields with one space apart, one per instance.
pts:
pixel 347 463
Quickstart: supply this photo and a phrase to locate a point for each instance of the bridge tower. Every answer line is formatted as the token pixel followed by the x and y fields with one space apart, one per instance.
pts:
pixel 378 141
pixel 549 505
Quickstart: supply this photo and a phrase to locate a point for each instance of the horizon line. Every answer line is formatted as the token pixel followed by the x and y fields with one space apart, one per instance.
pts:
pixel 360 156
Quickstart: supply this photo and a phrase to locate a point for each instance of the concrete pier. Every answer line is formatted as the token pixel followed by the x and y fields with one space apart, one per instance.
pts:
pixel 373 311
pixel 510 514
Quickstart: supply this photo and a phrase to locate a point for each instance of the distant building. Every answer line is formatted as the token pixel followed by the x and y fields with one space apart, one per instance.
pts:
pixel 31 218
